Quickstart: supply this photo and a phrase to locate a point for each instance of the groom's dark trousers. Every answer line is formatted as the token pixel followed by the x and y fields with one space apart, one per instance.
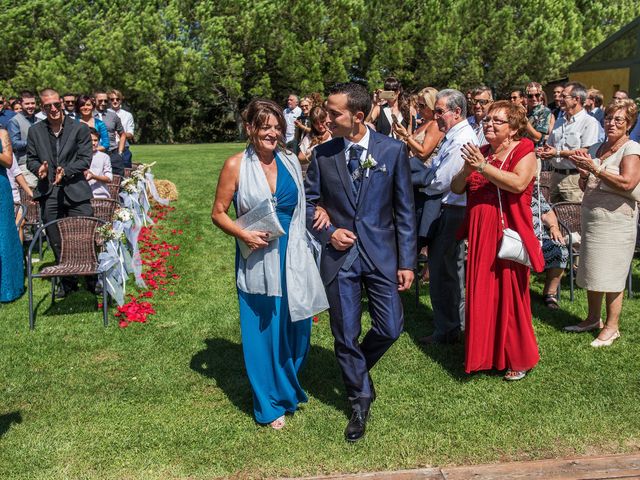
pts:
pixel 381 215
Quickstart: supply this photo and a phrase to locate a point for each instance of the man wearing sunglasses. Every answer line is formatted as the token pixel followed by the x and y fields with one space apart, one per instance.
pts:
pixel 117 137
pixel 58 152
pixel 482 100
pixel 69 104
pixel 115 99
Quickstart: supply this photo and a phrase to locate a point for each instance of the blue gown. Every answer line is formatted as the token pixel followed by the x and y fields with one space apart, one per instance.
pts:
pixel 11 262
pixel 275 348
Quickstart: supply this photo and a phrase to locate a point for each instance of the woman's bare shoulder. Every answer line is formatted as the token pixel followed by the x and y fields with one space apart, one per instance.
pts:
pixel 233 162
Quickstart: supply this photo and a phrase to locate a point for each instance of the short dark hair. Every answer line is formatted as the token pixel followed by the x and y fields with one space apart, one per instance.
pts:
pixel 26 94
pixel 358 98
pixel 82 99
pixel 93 131
pixel 69 94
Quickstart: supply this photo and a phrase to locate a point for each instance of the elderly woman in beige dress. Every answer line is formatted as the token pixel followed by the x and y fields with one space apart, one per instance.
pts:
pixel 609 173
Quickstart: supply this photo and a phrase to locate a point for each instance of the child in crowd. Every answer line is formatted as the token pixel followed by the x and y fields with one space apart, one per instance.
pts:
pixel 99 174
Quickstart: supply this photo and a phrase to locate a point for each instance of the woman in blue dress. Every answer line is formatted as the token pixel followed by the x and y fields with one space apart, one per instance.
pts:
pixel 11 266
pixel 279 286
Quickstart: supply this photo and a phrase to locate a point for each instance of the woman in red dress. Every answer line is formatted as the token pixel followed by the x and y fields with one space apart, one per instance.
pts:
pixel 499 332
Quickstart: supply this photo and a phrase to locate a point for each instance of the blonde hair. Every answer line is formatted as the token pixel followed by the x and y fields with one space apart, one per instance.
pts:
pixel 429 96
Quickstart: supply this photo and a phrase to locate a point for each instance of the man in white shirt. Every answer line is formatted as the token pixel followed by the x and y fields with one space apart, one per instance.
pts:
pixel 291 114
pixel 482 100
pixel 575 130
pixel 115 99
pixel 446 253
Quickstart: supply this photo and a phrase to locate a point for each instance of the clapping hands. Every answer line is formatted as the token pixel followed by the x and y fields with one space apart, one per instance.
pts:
pixel 583 162
pixel 472 156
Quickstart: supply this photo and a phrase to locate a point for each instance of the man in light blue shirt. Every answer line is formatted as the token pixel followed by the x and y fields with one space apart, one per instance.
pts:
pixel 482 100
pixel 446 253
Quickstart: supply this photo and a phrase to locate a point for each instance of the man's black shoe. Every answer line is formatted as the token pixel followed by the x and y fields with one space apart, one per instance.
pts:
pixel 357 425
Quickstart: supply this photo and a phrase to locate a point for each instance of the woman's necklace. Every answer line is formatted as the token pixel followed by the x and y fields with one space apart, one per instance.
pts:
pixel 612 149
pixel 501 148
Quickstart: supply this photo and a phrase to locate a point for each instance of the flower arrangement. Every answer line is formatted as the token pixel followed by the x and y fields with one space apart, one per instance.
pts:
pixel 123 215
pixel 106 233
pixel 130 185
pixel 141 170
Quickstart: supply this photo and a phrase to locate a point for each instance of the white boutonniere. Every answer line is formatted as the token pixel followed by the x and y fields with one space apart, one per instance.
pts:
pixel 368 163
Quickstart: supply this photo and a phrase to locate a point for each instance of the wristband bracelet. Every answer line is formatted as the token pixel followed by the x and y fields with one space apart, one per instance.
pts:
pixel 598 170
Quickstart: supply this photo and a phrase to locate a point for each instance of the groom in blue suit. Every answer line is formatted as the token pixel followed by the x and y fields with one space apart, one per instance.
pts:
pixel 363 181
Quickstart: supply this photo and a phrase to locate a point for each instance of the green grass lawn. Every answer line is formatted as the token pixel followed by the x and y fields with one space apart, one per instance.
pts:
pixel 170 399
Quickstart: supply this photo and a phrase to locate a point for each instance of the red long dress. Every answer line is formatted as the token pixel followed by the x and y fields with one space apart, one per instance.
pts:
pixel 499 332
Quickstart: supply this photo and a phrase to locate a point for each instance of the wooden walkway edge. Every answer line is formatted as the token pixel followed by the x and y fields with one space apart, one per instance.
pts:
pixel 585 468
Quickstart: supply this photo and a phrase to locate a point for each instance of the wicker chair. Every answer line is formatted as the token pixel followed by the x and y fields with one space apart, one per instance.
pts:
pixel 117 179
pixel 77 258
pixel 114 191
pixel 568 214
pixel 545 191
pixel 103 208
pixel 545 179
pixel 33 219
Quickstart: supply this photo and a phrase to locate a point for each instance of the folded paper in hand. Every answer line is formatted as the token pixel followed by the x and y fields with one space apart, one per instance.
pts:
pixel 262 218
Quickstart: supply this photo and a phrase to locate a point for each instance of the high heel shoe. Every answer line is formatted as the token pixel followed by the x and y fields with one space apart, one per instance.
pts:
pixel 278 423
pixel 584 328
pixel 606 343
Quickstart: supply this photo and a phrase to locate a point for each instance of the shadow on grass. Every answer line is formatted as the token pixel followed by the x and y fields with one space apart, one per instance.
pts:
pixel 418 323
pixel 322 379
pixel 222 361
pixel 559 318
pixel 8 419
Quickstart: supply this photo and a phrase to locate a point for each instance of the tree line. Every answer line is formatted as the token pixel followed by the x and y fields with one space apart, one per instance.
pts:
pixel 188 67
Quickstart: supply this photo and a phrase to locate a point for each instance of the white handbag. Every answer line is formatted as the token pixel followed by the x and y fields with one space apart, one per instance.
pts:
pixel 511 248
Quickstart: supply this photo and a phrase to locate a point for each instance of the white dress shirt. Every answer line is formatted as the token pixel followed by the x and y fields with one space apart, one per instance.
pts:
pixel 127 122
pixel 581 131
pixel 449 162
pixel 364 143
pixel 291 115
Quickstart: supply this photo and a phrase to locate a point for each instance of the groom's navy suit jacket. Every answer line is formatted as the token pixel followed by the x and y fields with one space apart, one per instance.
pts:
pixel 383 215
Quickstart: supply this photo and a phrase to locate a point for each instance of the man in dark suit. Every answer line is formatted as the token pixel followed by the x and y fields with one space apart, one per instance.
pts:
pixel 58 153
pixel 363 181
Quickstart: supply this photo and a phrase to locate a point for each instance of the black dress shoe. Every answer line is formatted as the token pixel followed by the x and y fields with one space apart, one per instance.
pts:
pixel 357 425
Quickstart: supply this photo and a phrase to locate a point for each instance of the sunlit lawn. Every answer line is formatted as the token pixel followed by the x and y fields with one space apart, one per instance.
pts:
pixel 169 399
